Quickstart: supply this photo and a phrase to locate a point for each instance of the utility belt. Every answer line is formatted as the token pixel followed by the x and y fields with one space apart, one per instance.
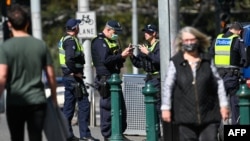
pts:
pixel 229 71
pixel 67 72
pixel 150 76
pixel 103 86
pixel 80 90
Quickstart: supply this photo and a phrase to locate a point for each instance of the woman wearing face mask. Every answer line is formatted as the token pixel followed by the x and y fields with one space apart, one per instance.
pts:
pixel 193 94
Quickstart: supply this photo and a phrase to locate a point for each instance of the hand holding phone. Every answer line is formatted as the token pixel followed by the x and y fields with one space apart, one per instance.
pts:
pixel 131 47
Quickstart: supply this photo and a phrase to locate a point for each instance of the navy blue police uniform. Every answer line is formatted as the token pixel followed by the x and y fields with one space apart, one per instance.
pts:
pixel 70 99
pixel 71 59
pixel 151 65
pixel 231 73
pixel 107 59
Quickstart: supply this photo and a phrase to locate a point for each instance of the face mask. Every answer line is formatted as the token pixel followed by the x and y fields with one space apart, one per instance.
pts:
pixel 114 37
pixel 190 47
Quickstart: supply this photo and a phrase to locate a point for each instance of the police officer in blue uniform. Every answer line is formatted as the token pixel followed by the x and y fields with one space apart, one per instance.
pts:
pixel 71 59
pixel 108 58
pixel 149 59
pixel 229 57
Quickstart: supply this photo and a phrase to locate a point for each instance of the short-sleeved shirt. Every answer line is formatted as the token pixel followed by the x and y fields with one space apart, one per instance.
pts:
pixel 26 58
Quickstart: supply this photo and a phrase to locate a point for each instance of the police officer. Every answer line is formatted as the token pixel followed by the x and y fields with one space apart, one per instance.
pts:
pixel 149 59
pixel 108 58
pixel 72 61
pixel 229 56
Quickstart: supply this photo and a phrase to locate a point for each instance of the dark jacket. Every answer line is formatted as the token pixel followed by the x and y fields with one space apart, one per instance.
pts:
pixel 150 63
pixel 106 60
pixel 195 100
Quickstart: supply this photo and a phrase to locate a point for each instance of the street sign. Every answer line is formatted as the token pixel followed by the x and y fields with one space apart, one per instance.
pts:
pixel 87 27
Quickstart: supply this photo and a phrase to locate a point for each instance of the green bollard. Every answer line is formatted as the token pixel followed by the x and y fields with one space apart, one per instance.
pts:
pixel 149 92
pixel 244 103
pixel 116 111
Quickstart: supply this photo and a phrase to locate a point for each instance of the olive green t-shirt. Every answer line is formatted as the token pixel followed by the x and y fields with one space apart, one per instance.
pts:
pixel 26 58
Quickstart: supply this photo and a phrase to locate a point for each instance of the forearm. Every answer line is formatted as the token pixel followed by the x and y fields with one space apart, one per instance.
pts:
pixel 52 82
pixel 3 77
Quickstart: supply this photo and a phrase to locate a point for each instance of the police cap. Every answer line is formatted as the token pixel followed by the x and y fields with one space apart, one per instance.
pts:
pixel 72 24
pixel 150 28
pixel 114 25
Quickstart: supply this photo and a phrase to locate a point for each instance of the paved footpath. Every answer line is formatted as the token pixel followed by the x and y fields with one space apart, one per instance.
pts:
pixel 5 136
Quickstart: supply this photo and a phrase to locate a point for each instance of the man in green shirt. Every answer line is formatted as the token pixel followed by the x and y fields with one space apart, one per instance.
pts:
pixel 23 59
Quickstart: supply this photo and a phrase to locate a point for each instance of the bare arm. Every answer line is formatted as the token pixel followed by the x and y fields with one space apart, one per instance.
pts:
pixel 3 77
pixel 52 82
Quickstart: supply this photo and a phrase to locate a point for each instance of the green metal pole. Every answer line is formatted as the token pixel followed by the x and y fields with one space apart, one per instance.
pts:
pixel 244 103
pixel 116 111
pixel 151 114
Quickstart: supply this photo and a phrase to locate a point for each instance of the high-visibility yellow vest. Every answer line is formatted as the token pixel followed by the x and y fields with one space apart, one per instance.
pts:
pixel 78 51
pixel 151 48
pixel 223 50
pixel 112 45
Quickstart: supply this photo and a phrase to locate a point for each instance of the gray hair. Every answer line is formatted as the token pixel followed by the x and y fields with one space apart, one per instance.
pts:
pixel 202 39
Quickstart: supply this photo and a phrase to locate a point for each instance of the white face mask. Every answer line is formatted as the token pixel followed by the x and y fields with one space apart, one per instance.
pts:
pixel 114 37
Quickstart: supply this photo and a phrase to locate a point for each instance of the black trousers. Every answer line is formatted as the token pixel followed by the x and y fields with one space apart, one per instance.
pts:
pixel 33 115
pixel 231 82
pixel 198 133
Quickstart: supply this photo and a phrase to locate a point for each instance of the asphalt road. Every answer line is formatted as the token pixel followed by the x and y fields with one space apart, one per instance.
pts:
pixel 5 136
pixel 94 127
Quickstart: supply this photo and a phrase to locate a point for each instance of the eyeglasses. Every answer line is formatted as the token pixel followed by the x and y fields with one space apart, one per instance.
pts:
pixel 189 40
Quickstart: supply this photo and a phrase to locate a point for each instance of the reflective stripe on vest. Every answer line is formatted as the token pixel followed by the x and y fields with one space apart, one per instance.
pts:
pixel 78 51
pixel 223 50
pixel 111 45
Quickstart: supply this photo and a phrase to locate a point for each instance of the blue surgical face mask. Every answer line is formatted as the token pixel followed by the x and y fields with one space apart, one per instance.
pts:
pixel 114 37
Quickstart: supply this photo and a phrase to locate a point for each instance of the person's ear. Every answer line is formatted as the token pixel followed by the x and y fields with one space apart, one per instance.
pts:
pixel 26 27
pixel 9 25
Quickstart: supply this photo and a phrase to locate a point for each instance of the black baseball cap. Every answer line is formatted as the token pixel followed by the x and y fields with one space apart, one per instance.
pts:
pixel 114 25
pixel 150 28
pixel 72 24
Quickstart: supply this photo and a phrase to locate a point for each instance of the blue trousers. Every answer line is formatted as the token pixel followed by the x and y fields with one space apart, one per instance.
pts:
pixel 232 84
pixel 105 113
pixel 69 107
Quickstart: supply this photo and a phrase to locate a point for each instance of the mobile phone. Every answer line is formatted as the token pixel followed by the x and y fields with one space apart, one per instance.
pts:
pixel 135 46
pixel 131 48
